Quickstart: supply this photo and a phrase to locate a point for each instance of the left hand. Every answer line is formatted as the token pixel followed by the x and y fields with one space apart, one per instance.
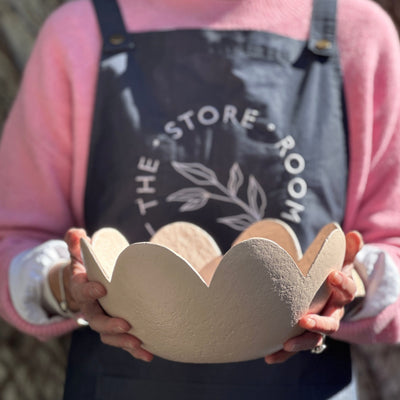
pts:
pixel 343 290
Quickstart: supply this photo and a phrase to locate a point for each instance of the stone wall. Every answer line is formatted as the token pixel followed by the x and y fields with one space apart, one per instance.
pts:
pixel 32 370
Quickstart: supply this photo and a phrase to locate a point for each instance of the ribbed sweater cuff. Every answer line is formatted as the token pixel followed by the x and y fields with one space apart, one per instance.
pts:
pixel 384 328
pixel 10 315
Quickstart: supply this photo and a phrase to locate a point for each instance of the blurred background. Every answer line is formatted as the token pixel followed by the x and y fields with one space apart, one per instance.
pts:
pixel 32 370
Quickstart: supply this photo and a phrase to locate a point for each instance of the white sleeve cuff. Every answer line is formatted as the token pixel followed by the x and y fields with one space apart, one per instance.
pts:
pixel 381 279
pixel 29 288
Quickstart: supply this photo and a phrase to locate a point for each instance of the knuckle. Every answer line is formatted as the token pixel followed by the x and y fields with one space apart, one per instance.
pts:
pixel 77 280
pixel 75 291
pixel 110 328
pixel 94 290
pixel 128 345
pixel 132 345
pixel 87 291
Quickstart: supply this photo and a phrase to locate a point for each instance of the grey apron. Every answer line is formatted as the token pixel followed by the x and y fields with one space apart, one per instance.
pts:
pixel 218 128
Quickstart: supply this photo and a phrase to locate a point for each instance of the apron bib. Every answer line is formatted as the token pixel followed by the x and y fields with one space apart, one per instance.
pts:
pixel 221 129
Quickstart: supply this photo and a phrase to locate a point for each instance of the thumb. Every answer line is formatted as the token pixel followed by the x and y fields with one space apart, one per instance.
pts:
pixel 72 238
pixel 354 243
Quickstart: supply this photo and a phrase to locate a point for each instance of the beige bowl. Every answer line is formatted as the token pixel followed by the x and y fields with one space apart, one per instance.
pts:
pixel 188 303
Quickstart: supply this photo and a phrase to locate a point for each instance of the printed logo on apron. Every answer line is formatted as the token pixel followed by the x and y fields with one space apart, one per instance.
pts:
pixel 222 130
pixel 203 186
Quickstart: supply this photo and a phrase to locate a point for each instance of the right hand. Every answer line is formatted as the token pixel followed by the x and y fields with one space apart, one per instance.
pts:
pixel 83 296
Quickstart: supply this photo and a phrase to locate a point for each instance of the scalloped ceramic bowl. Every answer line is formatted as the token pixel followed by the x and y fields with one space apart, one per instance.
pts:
pixel 188 303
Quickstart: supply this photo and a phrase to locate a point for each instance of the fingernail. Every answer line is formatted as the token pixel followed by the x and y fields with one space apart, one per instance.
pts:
pixel 310 323
pixel 130 347
pixel 121 329
pixel 337 278
pixel 97 292
pixel 293 348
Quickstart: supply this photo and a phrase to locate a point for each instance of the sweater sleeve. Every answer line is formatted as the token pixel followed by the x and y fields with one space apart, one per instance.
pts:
pixel 372 87
pixel 35 169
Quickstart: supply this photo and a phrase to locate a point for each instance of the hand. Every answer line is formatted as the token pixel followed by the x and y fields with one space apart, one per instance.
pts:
pixel 82 295
pixel 343 290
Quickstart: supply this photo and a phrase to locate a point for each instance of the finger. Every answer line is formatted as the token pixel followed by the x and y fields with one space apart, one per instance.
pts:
pixel 77 290
pixel 322 324
pixel 343 289
pixel 354 243
pixel 103 323
pixel 84 291
pixel 278 357
pixel 307 341
pixel 122 340
pixel 129 343
pixel 141 354
pixel 92 310
pixel 72 238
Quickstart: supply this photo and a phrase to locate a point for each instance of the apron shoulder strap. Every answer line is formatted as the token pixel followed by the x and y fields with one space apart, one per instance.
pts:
pixel 322 40
pixel 115 37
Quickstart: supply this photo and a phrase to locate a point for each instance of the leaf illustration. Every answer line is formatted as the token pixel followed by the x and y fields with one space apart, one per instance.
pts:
pixel 196 173
pixel 194 198
pixel 238 222
pixel 235 179
pixel 193 204
pixel 257 197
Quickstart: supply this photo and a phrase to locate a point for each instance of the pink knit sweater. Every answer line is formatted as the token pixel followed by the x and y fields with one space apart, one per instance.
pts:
pixel 44 150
